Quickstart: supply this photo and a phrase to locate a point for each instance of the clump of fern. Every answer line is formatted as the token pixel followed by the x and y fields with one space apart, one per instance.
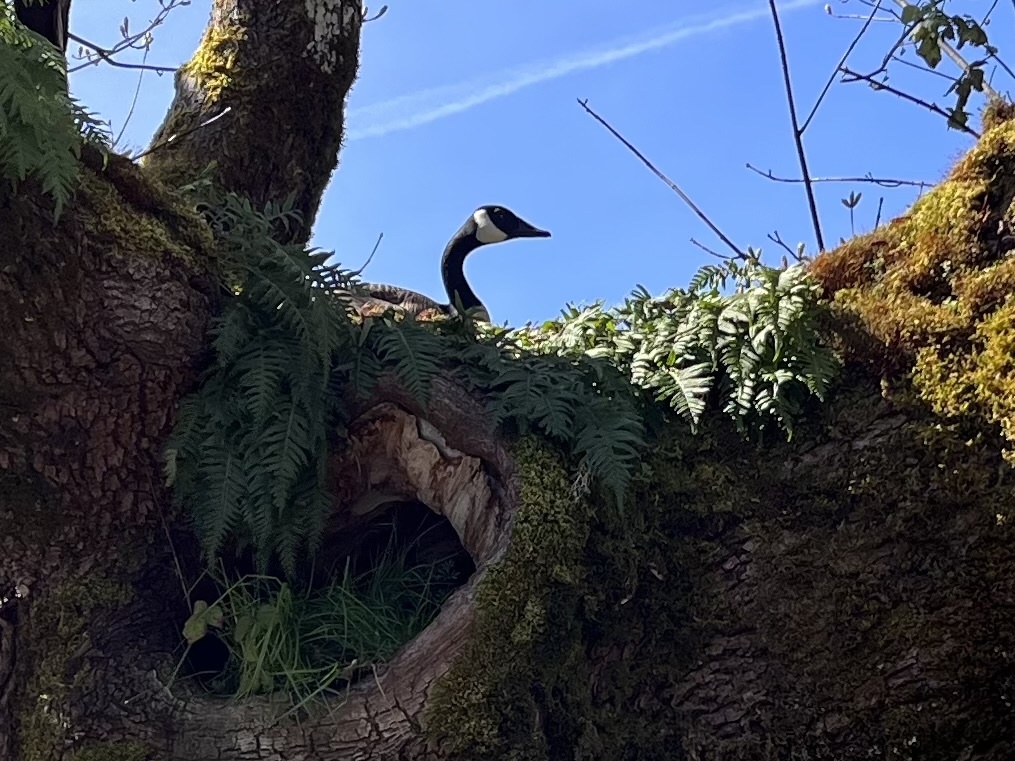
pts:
pixel 756 349
pixel 42 128
pixel 248 452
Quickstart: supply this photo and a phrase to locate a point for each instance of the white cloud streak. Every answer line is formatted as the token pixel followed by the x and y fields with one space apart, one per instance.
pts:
pixel 416 109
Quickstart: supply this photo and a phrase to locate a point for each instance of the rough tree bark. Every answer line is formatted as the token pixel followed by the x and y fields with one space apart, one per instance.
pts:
pixel 846 596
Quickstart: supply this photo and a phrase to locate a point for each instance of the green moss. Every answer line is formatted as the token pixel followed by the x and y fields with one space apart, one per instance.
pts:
pixel 214 73
pixel 595 626
pixel 928 294
pixel 527 625
pixel 214 62
pixel 59 627
pixel 127 751
pixel 147 221
pixel 578 579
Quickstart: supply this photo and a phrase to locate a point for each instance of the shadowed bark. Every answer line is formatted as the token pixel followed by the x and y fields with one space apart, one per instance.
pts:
pixel 845 596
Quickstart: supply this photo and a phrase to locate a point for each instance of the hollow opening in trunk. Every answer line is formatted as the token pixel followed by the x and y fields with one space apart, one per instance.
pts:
pixel 374 587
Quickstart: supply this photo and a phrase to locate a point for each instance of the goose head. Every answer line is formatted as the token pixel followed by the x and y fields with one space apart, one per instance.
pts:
pixel 494 224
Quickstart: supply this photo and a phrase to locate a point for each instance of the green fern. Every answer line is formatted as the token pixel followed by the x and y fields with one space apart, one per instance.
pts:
pixel 414 353
pixel 246 456
pixel 758 347
pixel 42 129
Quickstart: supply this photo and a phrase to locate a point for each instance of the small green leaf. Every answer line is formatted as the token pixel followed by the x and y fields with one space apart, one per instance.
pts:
pixel 196 626
pixel 911 14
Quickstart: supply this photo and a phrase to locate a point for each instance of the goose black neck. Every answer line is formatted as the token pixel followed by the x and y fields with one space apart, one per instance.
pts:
pixel 453 271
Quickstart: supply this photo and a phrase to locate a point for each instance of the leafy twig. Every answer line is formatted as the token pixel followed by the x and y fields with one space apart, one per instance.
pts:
pixel 934 108
pixel 797 132
pixel 672 185
pixel 952 53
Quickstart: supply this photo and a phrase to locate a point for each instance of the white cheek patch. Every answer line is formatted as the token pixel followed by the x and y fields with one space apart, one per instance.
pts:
pixel 486 230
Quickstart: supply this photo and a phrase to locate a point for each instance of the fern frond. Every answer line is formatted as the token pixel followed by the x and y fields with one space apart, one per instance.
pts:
pixel 413 352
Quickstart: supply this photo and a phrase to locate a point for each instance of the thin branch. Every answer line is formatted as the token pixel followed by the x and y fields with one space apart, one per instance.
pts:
pixel 104 55
pixel 925 69
pixel 1002 64
pixel 934 108
pixel 777 239
pixel 672 185
pixel 884 182
pixel 171 138
pixel 133 103
pixel 986 16
pixel 839 65
pixel 137 41
pixel 380 237
pixel 877 219
pixel 797 132
pixel 716 254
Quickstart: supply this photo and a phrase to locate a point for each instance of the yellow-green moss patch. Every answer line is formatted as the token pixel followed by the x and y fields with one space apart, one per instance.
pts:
pixel 214 62
pixel 929 292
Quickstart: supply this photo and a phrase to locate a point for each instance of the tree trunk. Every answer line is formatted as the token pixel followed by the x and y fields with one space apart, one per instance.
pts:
pixel 848 595
pixel 264 99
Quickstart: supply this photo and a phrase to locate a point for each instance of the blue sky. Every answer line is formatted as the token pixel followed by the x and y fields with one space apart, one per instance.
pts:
pixel 481 108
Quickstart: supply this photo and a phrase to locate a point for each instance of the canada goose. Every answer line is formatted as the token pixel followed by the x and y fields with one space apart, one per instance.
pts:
pixel 487 224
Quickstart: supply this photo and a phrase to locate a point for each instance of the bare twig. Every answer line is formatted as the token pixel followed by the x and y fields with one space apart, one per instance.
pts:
pixel 380 237
pixel 103 55
pixel 856 76
pixel 797 132
pixel 136 41
pixel 672 185
pixel 171 138
pixel 925 69
pixel 133 103
pixel 777 239
pixel 839 65
pixel 990 10
pixel 882 181
pixel 877 219
pixel 707 250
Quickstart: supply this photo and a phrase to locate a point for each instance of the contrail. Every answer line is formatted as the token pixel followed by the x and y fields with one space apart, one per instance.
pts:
pixel 416 109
